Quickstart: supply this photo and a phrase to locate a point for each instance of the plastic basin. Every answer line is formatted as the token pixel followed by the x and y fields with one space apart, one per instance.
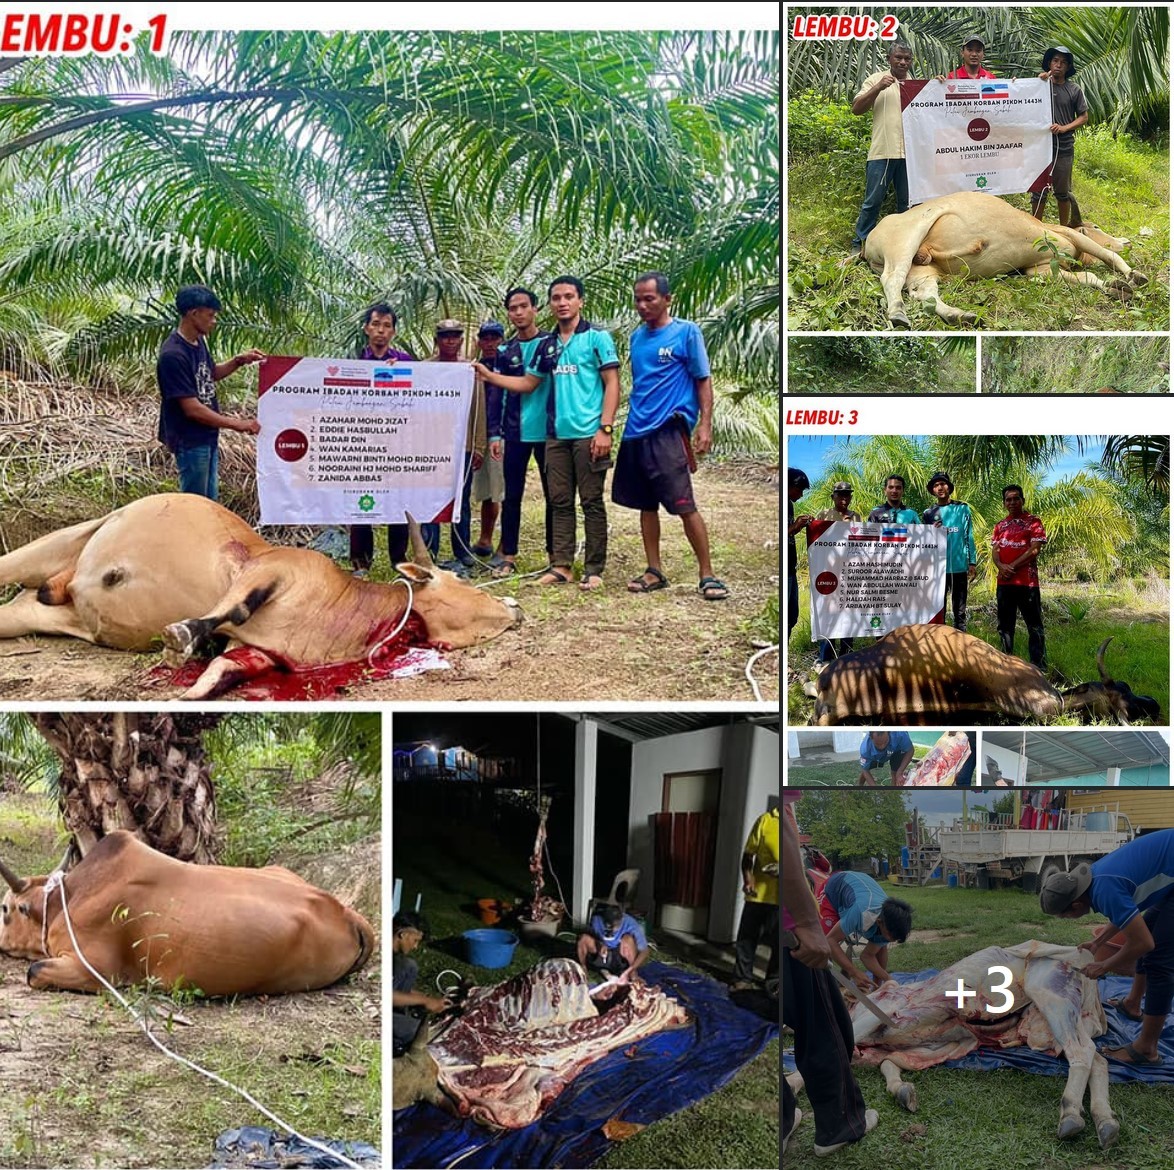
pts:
pixel 490 948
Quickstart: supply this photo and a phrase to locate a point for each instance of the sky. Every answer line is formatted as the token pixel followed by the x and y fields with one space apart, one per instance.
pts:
pixel 810 452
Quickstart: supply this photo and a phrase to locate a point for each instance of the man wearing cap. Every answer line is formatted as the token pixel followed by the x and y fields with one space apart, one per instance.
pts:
pixel 582 359
pixel 1133 887
pixel 973 52
pixel 893 510
pixel 840 510
pixel 1017 540
pixel 1069 112
pixel 953 517
pixel 489 479
pixel 379 325
pixel 450 338
pixel 797 484
pixel 881 93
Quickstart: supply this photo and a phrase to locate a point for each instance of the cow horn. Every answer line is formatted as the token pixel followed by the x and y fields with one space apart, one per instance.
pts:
pixel 420 553
pixel 17 884
pixel 1101 659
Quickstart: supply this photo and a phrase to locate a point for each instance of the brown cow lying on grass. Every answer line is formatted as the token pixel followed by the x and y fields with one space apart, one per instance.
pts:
pixel 979 236
pixel 181 568
pixel 138 914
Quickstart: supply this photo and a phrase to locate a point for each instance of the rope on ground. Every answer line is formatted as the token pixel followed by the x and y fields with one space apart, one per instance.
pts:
pixel 749 670
pixel 55 881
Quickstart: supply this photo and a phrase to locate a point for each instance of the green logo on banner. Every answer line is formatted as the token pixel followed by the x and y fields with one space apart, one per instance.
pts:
pixel 366 503
pixel 980 181
pixel 875 623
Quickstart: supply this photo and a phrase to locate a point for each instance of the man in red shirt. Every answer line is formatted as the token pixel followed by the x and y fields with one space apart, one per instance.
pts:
pixel 973 52
pixel 1017 541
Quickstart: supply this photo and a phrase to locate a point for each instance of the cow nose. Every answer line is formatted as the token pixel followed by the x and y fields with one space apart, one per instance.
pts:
pixel 512 604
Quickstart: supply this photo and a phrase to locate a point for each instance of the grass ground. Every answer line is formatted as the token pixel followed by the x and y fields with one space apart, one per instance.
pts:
pixel 1122 185
pixel 1076 621
pixel 453 865
pixel 94 1093
pixel 969 1120
pixel 1076 365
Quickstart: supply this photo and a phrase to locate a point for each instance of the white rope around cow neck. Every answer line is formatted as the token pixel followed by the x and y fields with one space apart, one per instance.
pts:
pixel 55 881
pixel 402 622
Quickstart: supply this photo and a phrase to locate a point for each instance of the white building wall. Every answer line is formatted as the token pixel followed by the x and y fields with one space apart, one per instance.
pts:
pixel 748 757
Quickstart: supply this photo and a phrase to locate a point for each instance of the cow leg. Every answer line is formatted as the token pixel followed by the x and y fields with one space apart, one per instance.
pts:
pixel 893 282
pixel 1113 287
pixel 48 556
pixel 235 608
pixel 923 286
pixel 1107 1125
pixel 25 614
pixel 63 974
pixel 905 1093
pixel 1082 243
pixel 229 670
pixel 795 1081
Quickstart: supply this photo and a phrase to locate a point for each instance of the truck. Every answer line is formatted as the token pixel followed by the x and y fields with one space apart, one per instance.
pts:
pixel 999 854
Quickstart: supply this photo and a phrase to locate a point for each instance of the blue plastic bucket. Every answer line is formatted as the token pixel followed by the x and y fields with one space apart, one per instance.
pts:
pixel 905 856
pixel 952 880
pixel 490 948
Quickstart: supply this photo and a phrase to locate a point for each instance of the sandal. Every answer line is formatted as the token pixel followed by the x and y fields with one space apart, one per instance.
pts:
pixel 590 583
pixel 712 589
pixel 482 550
pixel 1118 1003
pixel 1134 1056
pixel 641 584
pixel 505 568
pixel 554 576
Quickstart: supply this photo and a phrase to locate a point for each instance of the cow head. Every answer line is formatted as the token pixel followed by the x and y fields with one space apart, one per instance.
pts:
pixel 453 611
pixel 21 915
pixel 414 1076
pixel 1110 699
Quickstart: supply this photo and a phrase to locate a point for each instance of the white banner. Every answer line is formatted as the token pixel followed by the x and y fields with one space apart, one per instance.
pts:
pixel 982 135
pixel 867 579
pixel 345 441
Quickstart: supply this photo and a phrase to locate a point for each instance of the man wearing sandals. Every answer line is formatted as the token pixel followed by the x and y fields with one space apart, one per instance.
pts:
pixel 1133 887
pixel 585 367
pixel 670 423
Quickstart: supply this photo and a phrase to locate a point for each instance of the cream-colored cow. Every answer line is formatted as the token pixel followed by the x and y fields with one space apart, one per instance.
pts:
pixel 979 236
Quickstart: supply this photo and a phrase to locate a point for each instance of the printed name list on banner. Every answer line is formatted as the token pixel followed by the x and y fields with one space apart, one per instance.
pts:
pixel 346 441
pixel 988 135
pixel 868 579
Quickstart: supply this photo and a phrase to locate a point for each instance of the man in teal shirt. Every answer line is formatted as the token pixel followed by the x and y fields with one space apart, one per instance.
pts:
pixel 585 369
pixel 953 517
pixel 893 510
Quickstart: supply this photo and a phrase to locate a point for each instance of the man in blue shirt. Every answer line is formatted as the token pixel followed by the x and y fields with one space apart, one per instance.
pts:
pixel 893 510
pixel 615 944
pixel 866 914
pixel 1133 887
pixel 670 423
pixel 585 369
pixel 894 748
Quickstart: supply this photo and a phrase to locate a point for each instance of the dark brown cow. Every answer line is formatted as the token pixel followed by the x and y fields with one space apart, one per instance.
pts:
pixel 926 673
pixel 138 914
pixel 180 568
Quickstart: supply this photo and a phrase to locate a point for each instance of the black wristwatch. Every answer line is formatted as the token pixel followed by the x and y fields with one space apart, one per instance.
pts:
pixel 607 428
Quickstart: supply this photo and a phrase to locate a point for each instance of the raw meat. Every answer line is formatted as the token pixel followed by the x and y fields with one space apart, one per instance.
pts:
pixel 940 767
pixel 519 1044
pixel 542 907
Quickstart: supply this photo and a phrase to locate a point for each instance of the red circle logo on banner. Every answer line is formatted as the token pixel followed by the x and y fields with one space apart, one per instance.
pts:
pixel 978 129
pixel 826 583
pixel 291 445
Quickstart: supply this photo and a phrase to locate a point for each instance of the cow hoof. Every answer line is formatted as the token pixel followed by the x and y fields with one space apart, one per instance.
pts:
pixel 1069 1127
pixel 1107 1133
pixel 907 1098
pixel 1138 279
pixel 178 638
pixel 967 318
pixel 1122 288
pixel 899 321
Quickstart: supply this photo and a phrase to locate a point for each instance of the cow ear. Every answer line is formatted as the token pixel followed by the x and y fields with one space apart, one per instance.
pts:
pixel 417 574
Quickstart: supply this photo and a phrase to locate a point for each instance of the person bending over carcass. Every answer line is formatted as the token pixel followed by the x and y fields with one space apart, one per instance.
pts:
pixel 615 945
pixel 863 912
pixel 408 929
pixel 1133 887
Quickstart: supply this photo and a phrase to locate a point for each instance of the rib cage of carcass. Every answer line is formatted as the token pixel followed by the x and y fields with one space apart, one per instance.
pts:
pixel 518 1045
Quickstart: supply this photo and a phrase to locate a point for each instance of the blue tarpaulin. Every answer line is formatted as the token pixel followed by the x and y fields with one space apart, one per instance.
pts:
pixel 1122 1030
pixel 265 1149
pixel 665 1072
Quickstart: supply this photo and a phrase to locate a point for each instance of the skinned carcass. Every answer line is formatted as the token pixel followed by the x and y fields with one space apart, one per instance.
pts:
pixel 931 673
pixel 519 1044
pixel 1051 1007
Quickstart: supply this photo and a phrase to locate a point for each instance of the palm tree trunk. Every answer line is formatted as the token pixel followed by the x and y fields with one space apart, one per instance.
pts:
pixel 144 772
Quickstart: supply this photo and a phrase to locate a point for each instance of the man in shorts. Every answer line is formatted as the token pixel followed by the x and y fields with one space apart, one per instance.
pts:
pixel 670 421
pixel 488 488
pixel 614 944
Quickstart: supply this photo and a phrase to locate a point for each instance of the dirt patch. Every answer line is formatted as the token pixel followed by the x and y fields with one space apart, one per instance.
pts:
pixel 608 645
pixel 926 936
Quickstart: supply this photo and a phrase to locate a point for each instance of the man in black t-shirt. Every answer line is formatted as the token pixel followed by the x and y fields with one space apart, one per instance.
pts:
pixel 190 420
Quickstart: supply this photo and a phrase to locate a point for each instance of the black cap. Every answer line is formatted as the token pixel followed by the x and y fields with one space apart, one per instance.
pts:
pixel 491 329
pixel 971 41
pixel 939 477
pixel 797 478
pixel 1064 51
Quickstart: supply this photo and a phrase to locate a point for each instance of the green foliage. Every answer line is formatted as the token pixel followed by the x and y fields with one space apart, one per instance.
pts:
pixel 1072 365
pixel 845 827
pixel 817 126
pixel 878 365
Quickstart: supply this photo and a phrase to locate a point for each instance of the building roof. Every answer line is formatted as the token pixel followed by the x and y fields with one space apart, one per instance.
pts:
pixel 1055 754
